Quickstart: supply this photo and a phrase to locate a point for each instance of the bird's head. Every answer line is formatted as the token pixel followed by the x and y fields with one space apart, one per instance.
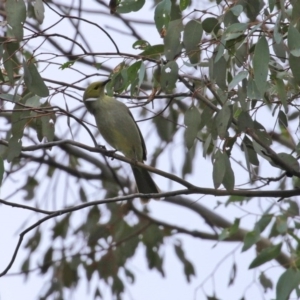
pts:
pixel 94 91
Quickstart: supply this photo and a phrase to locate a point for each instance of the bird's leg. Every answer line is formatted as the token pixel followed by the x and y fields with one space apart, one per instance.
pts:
pixel 111 153
pixel 107 152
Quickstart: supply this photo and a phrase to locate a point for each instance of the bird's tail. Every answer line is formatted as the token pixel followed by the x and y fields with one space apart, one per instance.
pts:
pixel 145 183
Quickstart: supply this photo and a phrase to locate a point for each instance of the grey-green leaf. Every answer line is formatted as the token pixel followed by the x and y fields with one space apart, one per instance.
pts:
pixel 219 168
pixel 34 81
pixel 162 15
pixel 234 31
pixel 228 180
pixel 127 6
pixel 294 41
pixel 223 120
pixel 169 75
pixel 266 255
pixel 16 16
pixel 261 64
pixel 39 11
pixel 287 282
pixel 236 79
pixel 172 39
pixel 294 63
pixel 191 38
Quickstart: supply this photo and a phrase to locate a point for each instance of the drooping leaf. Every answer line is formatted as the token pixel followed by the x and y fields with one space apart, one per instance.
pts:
pixel 39 11
pixel 261 64
pixel 223 120
pixel 287 282
pixel 192 121
pixel 294 41
pixel 16 16
pixel 211 25
pixel 34 81
pixel 183 4
pixel 266 255
pixel 169 76
pixel 162 15
pixel 251 238
pixel 244 121
pixel 236 79
pixel 191 38
pixel 219 168
pixel 172 39
pixel 127 6
pixel 294 62
pixel 154 52
pixel 229 179
pixel 234 31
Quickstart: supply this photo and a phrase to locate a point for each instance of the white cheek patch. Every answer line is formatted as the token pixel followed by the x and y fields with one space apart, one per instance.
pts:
pixel 91 99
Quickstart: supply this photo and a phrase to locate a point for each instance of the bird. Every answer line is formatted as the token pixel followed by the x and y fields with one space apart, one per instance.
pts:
pixel 119 129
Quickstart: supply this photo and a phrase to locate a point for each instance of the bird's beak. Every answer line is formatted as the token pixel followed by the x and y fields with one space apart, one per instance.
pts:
pixel 90 99
pixel 106 81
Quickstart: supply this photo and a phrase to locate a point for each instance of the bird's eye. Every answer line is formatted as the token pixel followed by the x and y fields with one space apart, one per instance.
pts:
pixel 96 87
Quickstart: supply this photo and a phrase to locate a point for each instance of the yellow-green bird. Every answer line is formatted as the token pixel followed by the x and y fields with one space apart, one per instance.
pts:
pixel 118 127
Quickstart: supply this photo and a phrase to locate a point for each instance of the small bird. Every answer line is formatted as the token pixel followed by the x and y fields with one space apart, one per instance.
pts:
pixel 118 127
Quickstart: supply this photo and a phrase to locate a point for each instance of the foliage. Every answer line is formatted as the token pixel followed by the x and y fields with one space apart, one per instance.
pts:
pixel 222 80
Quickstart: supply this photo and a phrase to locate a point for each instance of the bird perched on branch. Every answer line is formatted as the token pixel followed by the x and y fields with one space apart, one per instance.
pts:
pixel 118 127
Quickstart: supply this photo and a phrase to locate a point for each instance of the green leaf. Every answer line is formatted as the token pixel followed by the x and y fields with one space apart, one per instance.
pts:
pixel 228 180
pixel 261 64
pixel 294 63
pixel 280 87
pixel 293 209
pixel 183 4
pixel 191 38
pixel 286 283
pixel 263 222
pixel 219 168
pixel 16 16
pixel 294 41
pixel 234 31
pixel 188 267
pixel 192 121
pixel 265 255
pixel 169 76
pixel 236 79
pixel 282 119
pixel 172 39
pixel 34 81
pixel 30 187
pixel 281 224
pixel 211 25
pixel 67 64
pixel 39 11
pixel 14 148
pixel 206 145
pixel 61 227
pixel 229 231
pixel 162 15
pixel 127 6
pixel 251 238
pixel 47 261
pixel 153 52
pixel 219 72
pixel 244 121
pixel 9 66
pixel 223 120
pixel 141 44
pixel 237 9
pixel 265 282
pixel 34 241
pixel 289 160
